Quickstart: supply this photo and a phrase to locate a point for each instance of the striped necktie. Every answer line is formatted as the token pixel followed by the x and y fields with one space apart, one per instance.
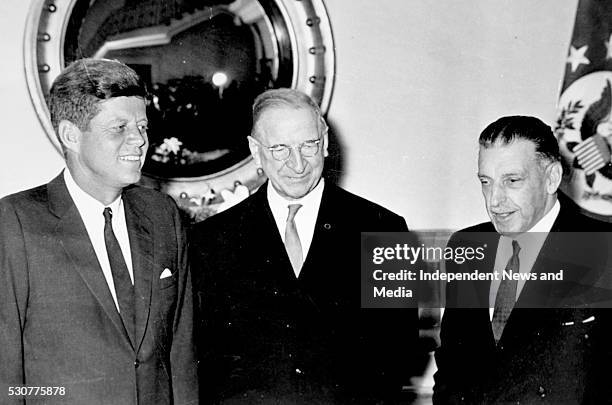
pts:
pixel 506 295
pixel 292 240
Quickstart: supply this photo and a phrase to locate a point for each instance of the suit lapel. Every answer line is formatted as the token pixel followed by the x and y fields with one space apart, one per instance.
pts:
pixel 323 231
pixel 476 294
pixel 72 234
pixel 140 230
pixel 537 293
pixel 556 247
pixel 488 237
pixel 273 249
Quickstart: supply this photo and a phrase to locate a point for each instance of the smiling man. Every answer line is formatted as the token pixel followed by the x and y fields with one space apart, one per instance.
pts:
pixel 278 277
pixel 95 296
pixel 519 178
pixel 534 341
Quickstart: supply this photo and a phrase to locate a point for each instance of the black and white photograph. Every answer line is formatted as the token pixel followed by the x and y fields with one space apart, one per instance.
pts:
pixel 292 202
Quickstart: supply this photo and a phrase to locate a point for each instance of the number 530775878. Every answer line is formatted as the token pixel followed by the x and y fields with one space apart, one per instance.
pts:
pixel 26 391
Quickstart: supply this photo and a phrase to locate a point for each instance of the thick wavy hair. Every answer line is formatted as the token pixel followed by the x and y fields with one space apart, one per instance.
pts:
pixel 77 91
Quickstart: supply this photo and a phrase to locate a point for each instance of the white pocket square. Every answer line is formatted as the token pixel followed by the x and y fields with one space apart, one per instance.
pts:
pixel 165 273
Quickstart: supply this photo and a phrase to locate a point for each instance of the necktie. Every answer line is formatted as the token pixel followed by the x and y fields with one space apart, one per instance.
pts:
pixel 506 295
pixel 121 276
pixel 292 239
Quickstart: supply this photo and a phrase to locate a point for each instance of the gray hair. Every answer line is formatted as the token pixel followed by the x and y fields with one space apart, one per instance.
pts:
pixel 283 98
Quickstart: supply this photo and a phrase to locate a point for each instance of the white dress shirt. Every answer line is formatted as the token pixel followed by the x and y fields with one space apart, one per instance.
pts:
pixel 531 243
pixel 305 218
pixel 91 211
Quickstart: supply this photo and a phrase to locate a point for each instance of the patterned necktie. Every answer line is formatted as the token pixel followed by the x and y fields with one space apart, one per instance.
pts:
pixel 506 295
pixel 121 276
pixel 292 240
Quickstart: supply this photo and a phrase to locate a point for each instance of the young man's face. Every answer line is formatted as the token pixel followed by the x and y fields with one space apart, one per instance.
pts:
pixel 111 151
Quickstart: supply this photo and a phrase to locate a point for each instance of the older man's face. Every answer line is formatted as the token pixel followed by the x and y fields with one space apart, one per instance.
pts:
pixel 298 175
pixel 517 189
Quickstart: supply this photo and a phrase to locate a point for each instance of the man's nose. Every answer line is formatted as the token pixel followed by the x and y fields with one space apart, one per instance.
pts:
pixel 136 136
pixel 497 195
pixel 296 160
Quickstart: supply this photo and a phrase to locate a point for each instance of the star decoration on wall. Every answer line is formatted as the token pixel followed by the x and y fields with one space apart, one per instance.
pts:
pixel 577 58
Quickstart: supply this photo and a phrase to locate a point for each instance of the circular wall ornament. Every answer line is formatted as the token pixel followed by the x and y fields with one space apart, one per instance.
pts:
pixel 584 125
pixel 204 63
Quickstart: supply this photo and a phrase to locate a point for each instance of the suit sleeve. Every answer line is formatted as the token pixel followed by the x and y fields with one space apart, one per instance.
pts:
pixel 393 223
pixel 182 356
pixel 206 273
pixel 393 335
pixel 13 299
pixel 449 377
pixel 402 225
pixel 447 386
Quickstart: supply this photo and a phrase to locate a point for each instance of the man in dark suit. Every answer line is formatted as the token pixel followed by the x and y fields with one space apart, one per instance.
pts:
pixel 95 297
pixel 278 279
pixel 534 341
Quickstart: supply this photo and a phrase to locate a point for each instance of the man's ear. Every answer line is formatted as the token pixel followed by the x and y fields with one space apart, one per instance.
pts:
pixel 325 144
pixel 553 177
pixel 254 148
pixel 69 135
pixel 324 128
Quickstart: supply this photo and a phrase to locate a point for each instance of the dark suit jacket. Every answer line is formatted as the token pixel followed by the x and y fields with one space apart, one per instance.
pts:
pixel 268 337
pixel 58 323
pixel 554 344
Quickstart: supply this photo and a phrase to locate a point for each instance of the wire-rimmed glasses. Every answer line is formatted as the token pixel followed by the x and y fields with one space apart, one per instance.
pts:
pixel 282 152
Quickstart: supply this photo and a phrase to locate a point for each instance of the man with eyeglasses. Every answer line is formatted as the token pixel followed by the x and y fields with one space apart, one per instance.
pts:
pixel 277 278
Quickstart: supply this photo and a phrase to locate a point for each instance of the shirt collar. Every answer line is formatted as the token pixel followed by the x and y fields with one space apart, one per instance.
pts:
pixel 312 198
pixel 537 233
pixel 84 201
pixel 545 224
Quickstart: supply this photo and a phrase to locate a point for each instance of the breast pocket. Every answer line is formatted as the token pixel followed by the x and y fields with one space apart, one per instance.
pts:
pixel 579 318
pixel 168 291
pixel 578 329
pixel 167 297
pixel 169 281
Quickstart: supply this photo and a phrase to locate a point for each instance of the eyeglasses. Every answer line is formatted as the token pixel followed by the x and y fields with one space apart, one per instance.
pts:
pixel 282 152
